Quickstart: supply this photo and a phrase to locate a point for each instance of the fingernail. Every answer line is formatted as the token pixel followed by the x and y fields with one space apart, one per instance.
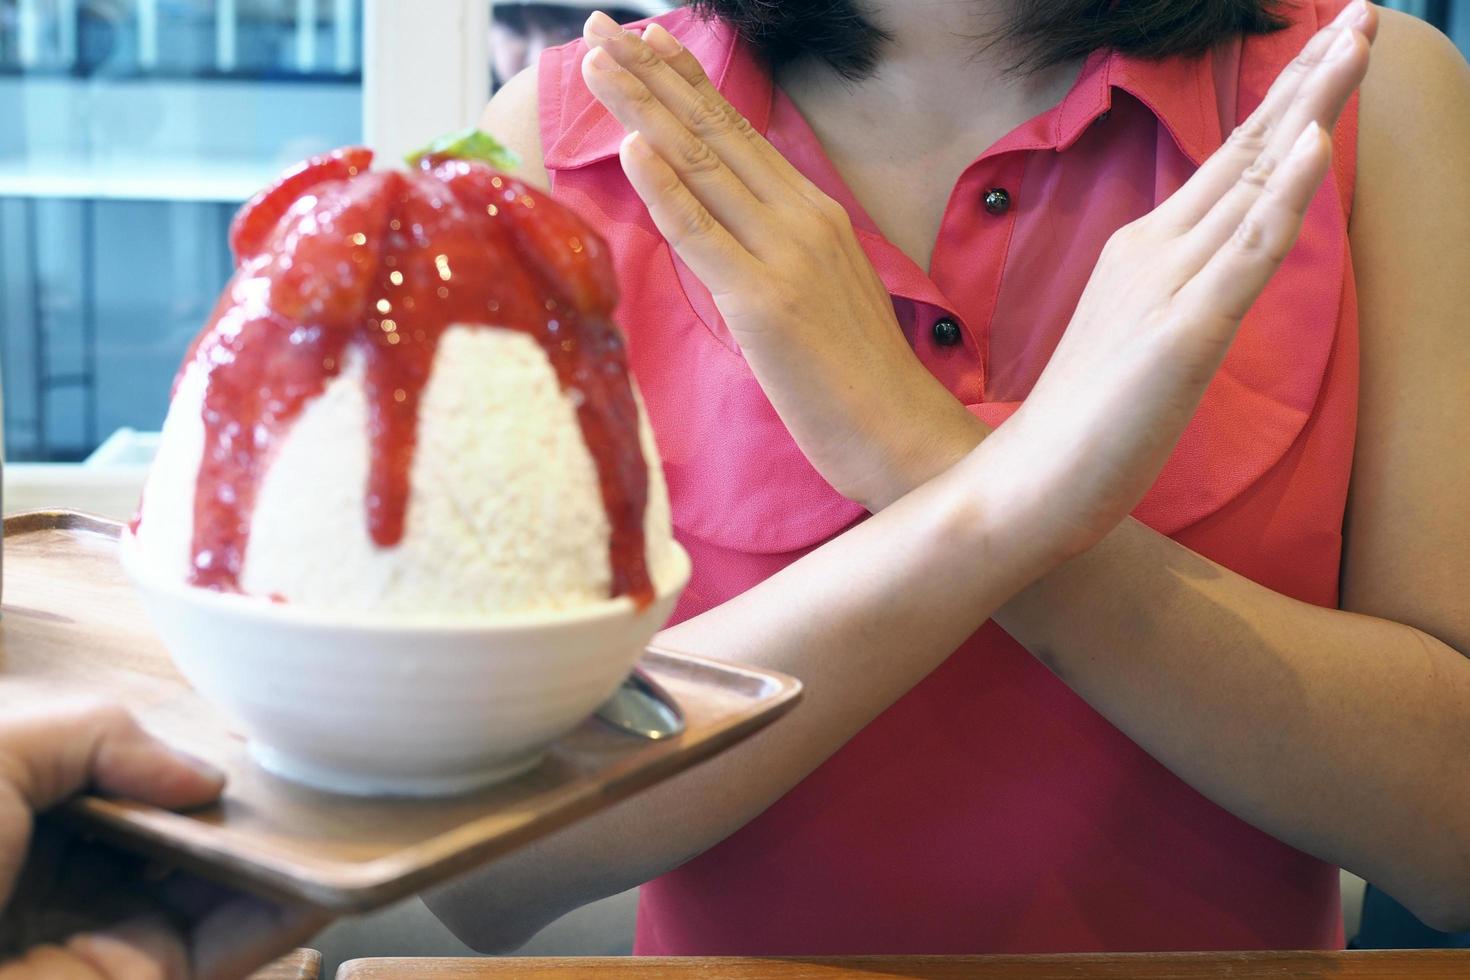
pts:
pixel 1309 138
pixel 1364 17
pixel 635 144
pixel 603 61
pixel 1349 13
pixel 1346 42
pixel 662 41
pixel 602 25
pixel 208 770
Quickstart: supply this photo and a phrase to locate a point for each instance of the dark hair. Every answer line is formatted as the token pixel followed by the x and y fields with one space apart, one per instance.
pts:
pixel 1042 33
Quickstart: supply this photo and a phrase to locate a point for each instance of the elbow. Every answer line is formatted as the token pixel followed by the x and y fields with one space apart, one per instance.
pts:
pixel 1446 914
pixel 1440 897
pixel 492 931
pixel 493 941
pixel 1449 909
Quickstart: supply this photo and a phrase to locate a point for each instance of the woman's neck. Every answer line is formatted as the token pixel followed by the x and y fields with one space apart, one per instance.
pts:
pixel 937 46
pixel 942 92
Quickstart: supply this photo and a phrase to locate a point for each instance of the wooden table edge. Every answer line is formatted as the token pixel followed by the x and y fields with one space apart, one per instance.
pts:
pixel 303 964
pixel 1299 964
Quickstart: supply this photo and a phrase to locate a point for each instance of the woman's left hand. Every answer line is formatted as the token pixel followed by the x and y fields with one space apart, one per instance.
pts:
pixel 785 269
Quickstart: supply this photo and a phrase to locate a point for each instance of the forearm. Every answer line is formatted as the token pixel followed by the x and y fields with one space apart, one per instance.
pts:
pixel 912 455
pixel 1341 734
pixel 859 621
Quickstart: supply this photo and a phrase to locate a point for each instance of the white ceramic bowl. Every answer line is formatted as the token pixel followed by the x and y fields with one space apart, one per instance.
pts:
pixel 375 706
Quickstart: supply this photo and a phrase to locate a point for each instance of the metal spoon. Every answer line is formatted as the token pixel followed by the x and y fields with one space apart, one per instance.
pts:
pixel 641 707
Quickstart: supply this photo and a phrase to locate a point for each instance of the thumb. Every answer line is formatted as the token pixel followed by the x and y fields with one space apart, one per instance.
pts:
pixel 50 752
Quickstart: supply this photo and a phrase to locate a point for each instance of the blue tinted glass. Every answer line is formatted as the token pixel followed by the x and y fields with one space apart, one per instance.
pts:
pixel 132 131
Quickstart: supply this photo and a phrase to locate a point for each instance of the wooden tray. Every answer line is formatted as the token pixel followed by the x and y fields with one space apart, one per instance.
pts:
pixel 71 622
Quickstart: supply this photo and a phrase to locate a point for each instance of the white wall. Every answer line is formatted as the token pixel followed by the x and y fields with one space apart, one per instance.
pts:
pixel 603 928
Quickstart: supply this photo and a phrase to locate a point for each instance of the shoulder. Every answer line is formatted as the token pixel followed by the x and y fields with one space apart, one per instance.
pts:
pixel 1402 37
pixel 1411 213
pixel 1414 121
pixel 514 118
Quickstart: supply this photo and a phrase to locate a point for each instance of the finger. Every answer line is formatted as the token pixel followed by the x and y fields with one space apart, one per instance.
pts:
pixel 141 948
pixel 51 963
pixel 698 166
pixel 239 937
pixel 676 78
pixel 710 251
pixel 687 67
pixel 50 753
pixel 1253 137
pixel 1223 291
pixel 247 934
pixel 762 154
pixel 1320 103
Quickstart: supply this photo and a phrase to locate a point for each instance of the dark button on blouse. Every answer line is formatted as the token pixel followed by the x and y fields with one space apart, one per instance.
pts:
pixel 946 332
pixel 997 200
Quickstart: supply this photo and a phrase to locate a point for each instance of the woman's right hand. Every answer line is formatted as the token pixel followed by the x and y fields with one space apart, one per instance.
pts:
pixel 1162 308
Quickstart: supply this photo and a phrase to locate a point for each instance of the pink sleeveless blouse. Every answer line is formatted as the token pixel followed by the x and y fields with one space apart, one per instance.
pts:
pixel 991 809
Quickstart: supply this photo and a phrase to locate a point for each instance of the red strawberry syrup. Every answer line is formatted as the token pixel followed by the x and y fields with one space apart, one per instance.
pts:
pixel 384 263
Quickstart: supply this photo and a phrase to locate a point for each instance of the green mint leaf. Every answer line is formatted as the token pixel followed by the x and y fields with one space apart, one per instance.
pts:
pixel 470 144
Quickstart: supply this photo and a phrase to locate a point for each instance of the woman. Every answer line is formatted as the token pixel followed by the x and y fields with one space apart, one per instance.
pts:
pixel 1171 739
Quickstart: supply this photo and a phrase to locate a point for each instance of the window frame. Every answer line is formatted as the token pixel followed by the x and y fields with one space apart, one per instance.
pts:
pixel 425 71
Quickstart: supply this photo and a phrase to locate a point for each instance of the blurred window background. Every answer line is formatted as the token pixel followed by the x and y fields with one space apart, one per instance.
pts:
pixel 130 131
pixel 519 31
